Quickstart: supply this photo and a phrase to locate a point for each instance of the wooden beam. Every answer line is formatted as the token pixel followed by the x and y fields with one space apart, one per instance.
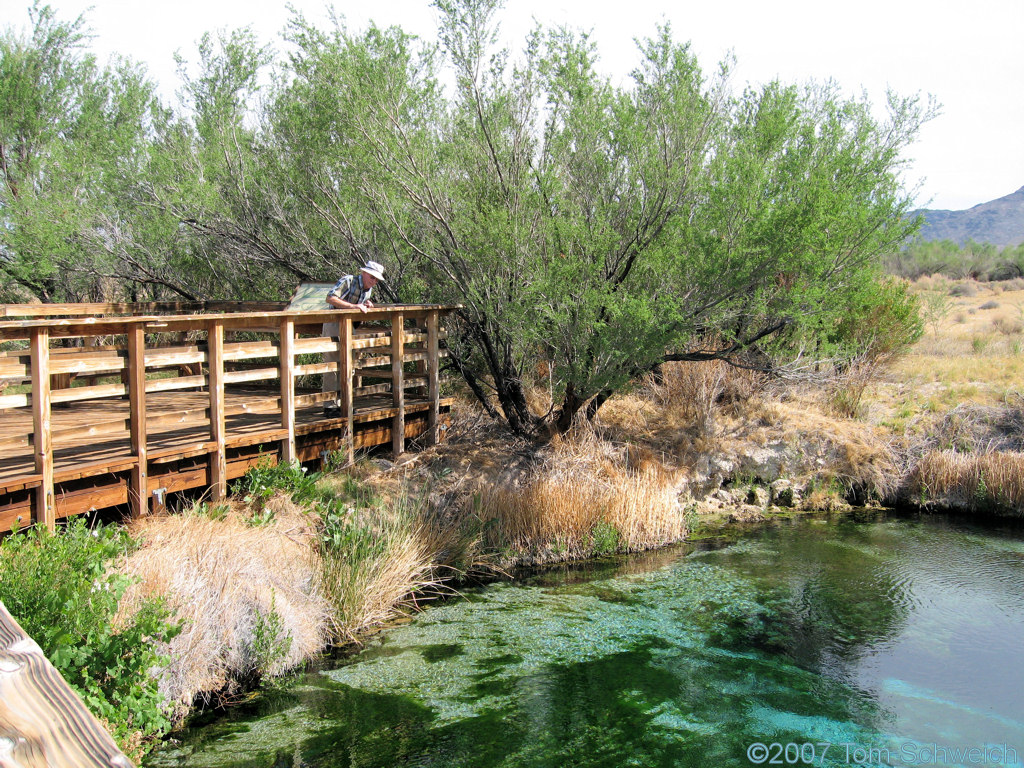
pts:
pixel 59 381
pixel 179 382
pixel 248 350
pixel 137 308
pixel 410 380
pixel 265 321
pixel 43 722
pixel 87 393
pixel 433 378
pixel 397 383
pixel 14 401
pixel 287 373
pixel 79 500
pixel 323 344
pixel 42 449
pixel 218 465
pixel 255 374
pixel 419 357
pixel 139 490
pixel 16 509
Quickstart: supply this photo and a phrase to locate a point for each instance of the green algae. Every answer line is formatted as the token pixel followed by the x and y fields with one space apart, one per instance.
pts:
pixel 880 633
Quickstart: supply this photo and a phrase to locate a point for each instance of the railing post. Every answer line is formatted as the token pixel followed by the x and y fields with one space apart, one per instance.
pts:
pixel 420 365
pixel 218 460
pixel 345 393
pixel 138 497
pixel 433 377
pixel 398 383
pixel 286 351
pixel 45 512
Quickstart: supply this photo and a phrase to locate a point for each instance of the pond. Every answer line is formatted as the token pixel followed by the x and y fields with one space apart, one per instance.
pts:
pixel 857 640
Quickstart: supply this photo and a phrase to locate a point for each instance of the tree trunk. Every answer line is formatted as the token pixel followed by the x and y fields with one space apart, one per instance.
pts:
pixel 571 405
pixel 596 402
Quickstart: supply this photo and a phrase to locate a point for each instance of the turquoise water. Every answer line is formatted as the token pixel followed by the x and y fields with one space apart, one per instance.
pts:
pixel 835 642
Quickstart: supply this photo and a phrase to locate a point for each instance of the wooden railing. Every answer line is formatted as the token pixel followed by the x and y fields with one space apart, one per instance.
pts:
pixel 144 359
pixel 109 309
pixel 43 722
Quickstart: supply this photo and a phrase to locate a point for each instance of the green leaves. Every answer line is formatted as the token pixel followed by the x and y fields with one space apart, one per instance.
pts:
pixel 71 137
pixel 587 227
pixel 64 592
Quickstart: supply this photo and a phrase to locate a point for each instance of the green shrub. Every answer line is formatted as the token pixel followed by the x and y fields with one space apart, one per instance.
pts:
pixel 266 478
pixel 270 642
pixel 61 589
pixel 605 538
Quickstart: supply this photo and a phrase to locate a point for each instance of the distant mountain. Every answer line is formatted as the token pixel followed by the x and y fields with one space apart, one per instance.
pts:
pixel 1000 222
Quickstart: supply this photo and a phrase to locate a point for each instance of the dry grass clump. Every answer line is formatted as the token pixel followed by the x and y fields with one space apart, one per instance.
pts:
pixel 1008 326
pixel 981 343
pixel 377 559
pixel 973 428
pixel 967 289
pixel 694 389
pixel 923 283
pixel 846 393
pixel 684 411
pixel 579 502
pixel 246 595
pixel 868 467
pixel 937 281
pixel 982 482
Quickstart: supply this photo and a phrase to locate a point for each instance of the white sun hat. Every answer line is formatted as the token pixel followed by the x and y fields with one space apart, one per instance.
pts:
pixel 374 269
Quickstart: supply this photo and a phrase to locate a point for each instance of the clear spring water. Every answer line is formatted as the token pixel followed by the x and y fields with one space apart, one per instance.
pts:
pixel 894 641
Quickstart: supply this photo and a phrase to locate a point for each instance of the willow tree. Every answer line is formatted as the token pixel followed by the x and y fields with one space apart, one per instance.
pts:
pixel 530 195
pixel 206 236
pixel 73 138
pixel 598 228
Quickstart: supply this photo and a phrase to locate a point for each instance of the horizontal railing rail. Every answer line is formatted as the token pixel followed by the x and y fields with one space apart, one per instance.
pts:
pixel 137 308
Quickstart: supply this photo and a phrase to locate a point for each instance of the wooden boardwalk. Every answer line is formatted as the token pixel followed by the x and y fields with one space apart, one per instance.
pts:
pixel 99 411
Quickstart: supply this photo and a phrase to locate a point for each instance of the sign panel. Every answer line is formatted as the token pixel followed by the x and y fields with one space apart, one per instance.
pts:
pixel 310 297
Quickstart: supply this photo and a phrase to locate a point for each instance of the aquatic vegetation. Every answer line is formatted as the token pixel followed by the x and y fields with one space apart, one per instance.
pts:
pixel 813 632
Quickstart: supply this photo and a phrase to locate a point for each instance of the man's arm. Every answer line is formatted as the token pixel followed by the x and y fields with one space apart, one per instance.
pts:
pixel 337 303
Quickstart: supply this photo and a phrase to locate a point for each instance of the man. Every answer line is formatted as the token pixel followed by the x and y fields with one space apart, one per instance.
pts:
pixel 350 292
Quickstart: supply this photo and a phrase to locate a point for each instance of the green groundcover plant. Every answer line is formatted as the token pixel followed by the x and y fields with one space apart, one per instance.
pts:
pixel 62 590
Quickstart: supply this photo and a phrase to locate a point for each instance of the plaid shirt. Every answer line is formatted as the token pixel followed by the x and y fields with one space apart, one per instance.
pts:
pixel 350 289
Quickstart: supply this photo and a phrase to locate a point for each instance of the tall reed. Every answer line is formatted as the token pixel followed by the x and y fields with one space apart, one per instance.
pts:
pixel 982 482
pixel 578 502
pixel 376 560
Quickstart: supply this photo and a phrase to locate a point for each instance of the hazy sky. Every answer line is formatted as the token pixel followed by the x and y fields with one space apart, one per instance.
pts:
pixel 967 54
